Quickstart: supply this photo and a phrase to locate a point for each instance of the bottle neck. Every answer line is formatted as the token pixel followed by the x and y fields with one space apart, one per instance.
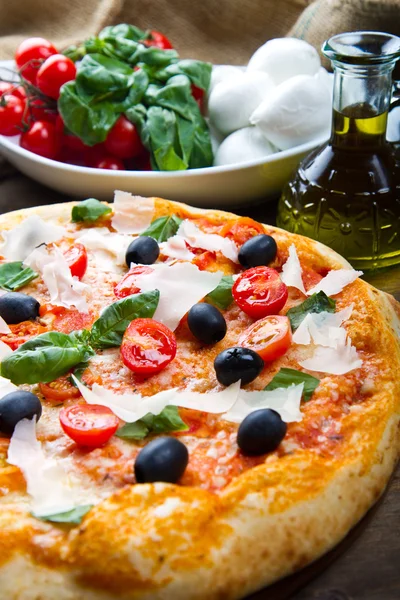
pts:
pixel 361 98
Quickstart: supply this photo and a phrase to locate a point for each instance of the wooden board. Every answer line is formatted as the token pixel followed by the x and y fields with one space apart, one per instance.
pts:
pixel 366 565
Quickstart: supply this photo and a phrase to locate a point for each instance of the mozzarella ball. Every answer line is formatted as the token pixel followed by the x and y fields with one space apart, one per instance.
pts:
pixel 232 102
pixel 326 78
pixel 283 58
pixel 243 145
pixel 221 73
pixel 215 137
pixel 296 112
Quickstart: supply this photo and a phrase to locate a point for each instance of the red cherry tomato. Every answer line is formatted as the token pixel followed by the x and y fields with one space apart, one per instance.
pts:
pixel 40 111
pixel 89 425
pixel 147 346
pixel 11 115
pixel 123 139
pixel 127 286
pixel 12 89
pixel 28 55
pixel 158 40
pixel 198 95
pixel 93 154
pixel 269 337
pixel 242 230
pixel 53 73
pixel 109 162
pixel 41 138
pixel 260 292
pixel 59 390
pixel 77 260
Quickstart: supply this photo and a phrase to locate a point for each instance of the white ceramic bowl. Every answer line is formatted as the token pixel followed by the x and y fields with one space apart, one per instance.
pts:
pixel 225 186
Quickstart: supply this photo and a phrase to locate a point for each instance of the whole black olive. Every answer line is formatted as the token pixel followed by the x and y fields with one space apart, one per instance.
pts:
pixel 206 323
pixel 163 459
pixel 237 363
pixel 261 431
pixel 144 250
pixel 258 251
pixel 16 307
pixel 16 406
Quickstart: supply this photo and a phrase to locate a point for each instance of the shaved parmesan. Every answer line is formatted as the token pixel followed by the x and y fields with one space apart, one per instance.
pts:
pixel 285 401
pixel 108 248
pixel 323 328
pixel 291 271
pixel 23 239
pixel 4 328
pixel 176 248
pixel 132 214
pixel 64 289
pixel 335 281
pixel 181 285
pixel 190 233
pixel 6 387
pixel 339 360
pixel 132 406
pixel 5 350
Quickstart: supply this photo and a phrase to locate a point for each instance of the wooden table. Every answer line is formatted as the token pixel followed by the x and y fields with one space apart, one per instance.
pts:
pixel 366 566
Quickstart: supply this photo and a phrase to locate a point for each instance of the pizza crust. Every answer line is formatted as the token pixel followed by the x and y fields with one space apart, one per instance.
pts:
pixel 163 541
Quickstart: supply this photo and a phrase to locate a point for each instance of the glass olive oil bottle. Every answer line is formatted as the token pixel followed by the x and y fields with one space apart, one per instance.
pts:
pixel 346 193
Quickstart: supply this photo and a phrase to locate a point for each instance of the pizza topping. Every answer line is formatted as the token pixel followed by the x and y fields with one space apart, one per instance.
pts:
pixel 206 323
pixel 89 210
pixel 192 235
pixel 127 286
pixel 15 275
pixel 270 337
pixel 18 405
pixel 322 328
pixel 73 516
pixel 132 214
pixel 16 307
pixel 6 387
pixel 88 425
pixel 176 248
pixel 147 346
pixel 288 377
pixel 109 248
pixel 23 239
pixel 260 432
pixel 162 459
pixel 64 289
pixel 4 328
pixel 59 390
pixel 222 295
pixel 291 271
pixel 163 228
pixel 77 260
pixel 260 292
pixel 317 303
pixel 238 364
pixel 181 285
pixel 338 360
pixel 257 251
pixel 241 230
pixel 167 420
pixel 144 250
pixel 285 401
pixel 334 282
pixel 5 350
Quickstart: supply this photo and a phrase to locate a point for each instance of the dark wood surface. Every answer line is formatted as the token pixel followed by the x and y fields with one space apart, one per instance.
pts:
pixel 366 565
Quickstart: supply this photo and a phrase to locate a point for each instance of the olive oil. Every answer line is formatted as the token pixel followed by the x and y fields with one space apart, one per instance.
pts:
pixel 346 193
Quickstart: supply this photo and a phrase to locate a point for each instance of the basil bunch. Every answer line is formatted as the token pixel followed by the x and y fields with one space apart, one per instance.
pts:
pixel 156 97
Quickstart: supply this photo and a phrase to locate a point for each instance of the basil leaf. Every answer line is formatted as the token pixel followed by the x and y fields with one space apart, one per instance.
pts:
pixel 15 275
pixel 89 210
pixel 167 420
pixel 316 303
pixel 163 228
pixel 202 152
pixel 286 377
pixel 109 328
pixel 198 72
pixel 99 74
pixel 222 295
pixel 73 516
pixel 46 357
pixel 124 30
pixel 161 125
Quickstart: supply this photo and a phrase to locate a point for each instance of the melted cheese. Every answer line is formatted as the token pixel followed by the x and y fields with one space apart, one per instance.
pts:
pixel 132 214
pixel 334 282
pixel 190 233
pixel 291 271
pixel 285 401
pixel 338 360
pixel 23 239
pixel 176 248
pixel 109 248
pixel 4 328
pixel 322 328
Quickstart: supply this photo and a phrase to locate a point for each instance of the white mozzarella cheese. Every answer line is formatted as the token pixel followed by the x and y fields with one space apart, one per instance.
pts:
pixel 5 350
pixel 175 247
pixel 6 387
pixel 132 214
pixel 334 282
pixel 4 328
pixel 291 271
pixel 109 248
pixel 24 238
pixel 190 233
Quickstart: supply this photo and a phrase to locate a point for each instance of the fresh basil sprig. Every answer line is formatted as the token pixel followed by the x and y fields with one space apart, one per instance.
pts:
pixel 167 420
pixel 73 516
pixel 163 228
pixel 15 275
pixel 109 328
pixel 316 303
pixel 286 377
pixel 46 357
pixel 89 210
pixel 222 295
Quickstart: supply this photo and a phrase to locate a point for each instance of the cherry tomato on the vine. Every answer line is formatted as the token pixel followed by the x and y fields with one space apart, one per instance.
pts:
pixel 260 292
pixel 12 89
pixel 53 73
pixel 59 390
pixel 29 55
pixel 147 346
pixel 269 337
pixel 41 138
pixel 123 139
pixel 77 259
pixel 127 286
pixel 158 40
pixel 11 115
pixel 109 162
pixel 88 425
pixel 41 111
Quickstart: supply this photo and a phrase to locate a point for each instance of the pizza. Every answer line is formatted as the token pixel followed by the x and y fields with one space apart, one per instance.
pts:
pixel 192 404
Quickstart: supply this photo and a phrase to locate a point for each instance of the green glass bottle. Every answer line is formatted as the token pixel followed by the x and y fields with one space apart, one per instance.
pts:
pixel 346 193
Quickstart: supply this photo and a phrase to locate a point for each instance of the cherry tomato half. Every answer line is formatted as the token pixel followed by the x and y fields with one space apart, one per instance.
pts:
pixel 123 139
pixel 260 292
pixel 147 346
pixel 127 286
pixel 28 55
pixel 77 259
pixel 269 337
pixel 158 40
pixel 109 162
pixel 242 230
pixel 59 390
pixel 11 115
pixel 89 425
pixel 41 138
pixel 53 73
